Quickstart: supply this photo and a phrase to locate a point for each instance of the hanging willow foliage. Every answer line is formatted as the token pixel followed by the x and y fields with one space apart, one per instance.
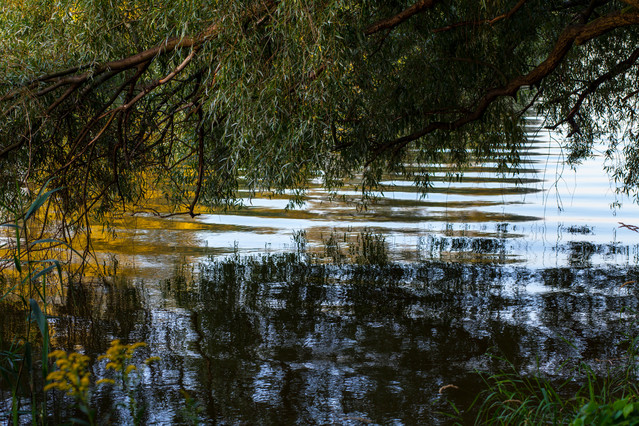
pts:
pixel 124 100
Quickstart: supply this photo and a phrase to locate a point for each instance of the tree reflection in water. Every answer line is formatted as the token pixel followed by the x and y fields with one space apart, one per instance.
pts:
pixel 283 339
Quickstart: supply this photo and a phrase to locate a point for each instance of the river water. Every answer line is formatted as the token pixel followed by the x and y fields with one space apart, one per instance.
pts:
pixel 547 215
pixel 333 314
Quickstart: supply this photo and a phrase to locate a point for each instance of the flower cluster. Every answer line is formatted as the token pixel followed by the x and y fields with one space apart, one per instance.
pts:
pixel 119 356
pixel 72 375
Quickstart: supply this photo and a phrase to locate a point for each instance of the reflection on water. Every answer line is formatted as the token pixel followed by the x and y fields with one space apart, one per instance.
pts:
pixel 280 339
pixel 538 217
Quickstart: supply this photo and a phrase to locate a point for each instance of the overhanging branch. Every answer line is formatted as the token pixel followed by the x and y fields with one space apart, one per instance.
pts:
pixel 81 79
pixel 592 88
pixel 393 21
pixel 491 21
pixel 574 34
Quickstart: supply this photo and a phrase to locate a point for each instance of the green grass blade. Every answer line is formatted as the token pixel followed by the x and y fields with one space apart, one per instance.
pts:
pixel 38 316
pixel 38 202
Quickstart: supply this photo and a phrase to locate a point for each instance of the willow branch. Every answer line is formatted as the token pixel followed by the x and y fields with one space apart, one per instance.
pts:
pixel 200 168
pixel 492 21
pixel 96 72
pixel 67 77
pixel 12 147
pixel 159 82
pixel 593 86
pixel 574 34
pixel 404 15
pixel 633 3
pixel 75 157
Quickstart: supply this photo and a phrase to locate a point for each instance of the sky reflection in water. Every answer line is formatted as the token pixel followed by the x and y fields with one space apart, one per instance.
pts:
pixel 538 223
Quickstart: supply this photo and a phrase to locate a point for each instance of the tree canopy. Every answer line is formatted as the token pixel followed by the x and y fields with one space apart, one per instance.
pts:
pixel 118 100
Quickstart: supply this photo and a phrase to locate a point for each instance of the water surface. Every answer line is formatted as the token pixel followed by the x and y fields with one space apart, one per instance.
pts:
pixel 334 314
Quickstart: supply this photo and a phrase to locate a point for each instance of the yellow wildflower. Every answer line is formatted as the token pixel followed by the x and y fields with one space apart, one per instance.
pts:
pixel 152 359
pixel 132 347
pixel 57 354
pixel 120 355
pixel 72 375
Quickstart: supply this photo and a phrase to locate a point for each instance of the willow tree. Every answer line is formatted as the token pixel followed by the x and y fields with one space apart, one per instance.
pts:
pixel 120 100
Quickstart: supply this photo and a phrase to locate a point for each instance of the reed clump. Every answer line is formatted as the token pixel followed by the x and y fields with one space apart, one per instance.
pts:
pixel 30 276
pixel 603 394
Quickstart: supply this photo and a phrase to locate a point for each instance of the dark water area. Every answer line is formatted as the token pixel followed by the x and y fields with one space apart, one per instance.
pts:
pixel 333 314
pixel 276 339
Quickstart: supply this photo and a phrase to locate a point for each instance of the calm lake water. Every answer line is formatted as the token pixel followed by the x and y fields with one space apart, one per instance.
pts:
pixel 330 314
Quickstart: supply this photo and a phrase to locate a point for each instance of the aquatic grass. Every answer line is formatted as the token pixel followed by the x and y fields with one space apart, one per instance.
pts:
pixel 192 409
pixel 585 395
pixel 361 248
pixel 10 360
pixel 72 376
pixel 512 398
pixel 31 289
pixel 32 283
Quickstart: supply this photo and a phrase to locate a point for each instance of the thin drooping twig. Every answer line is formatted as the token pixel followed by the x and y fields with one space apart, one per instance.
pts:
pixel 159 82
pixel 68 77
pixel 200 168
pixel 97 72
pixel 592 88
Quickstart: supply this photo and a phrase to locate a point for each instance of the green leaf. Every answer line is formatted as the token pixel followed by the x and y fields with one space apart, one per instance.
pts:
pixel 77 421
pixel 8 292
pixel 38 202
pixel 53 240
pixel 41 273
pixel 38 317
pixel 16 262
pixel 46 261
pixel 627 410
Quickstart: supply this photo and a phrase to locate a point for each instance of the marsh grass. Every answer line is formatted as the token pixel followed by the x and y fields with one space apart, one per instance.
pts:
pixel 360 248
pixel 33 277
pixel 603 394
pixel 28 288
